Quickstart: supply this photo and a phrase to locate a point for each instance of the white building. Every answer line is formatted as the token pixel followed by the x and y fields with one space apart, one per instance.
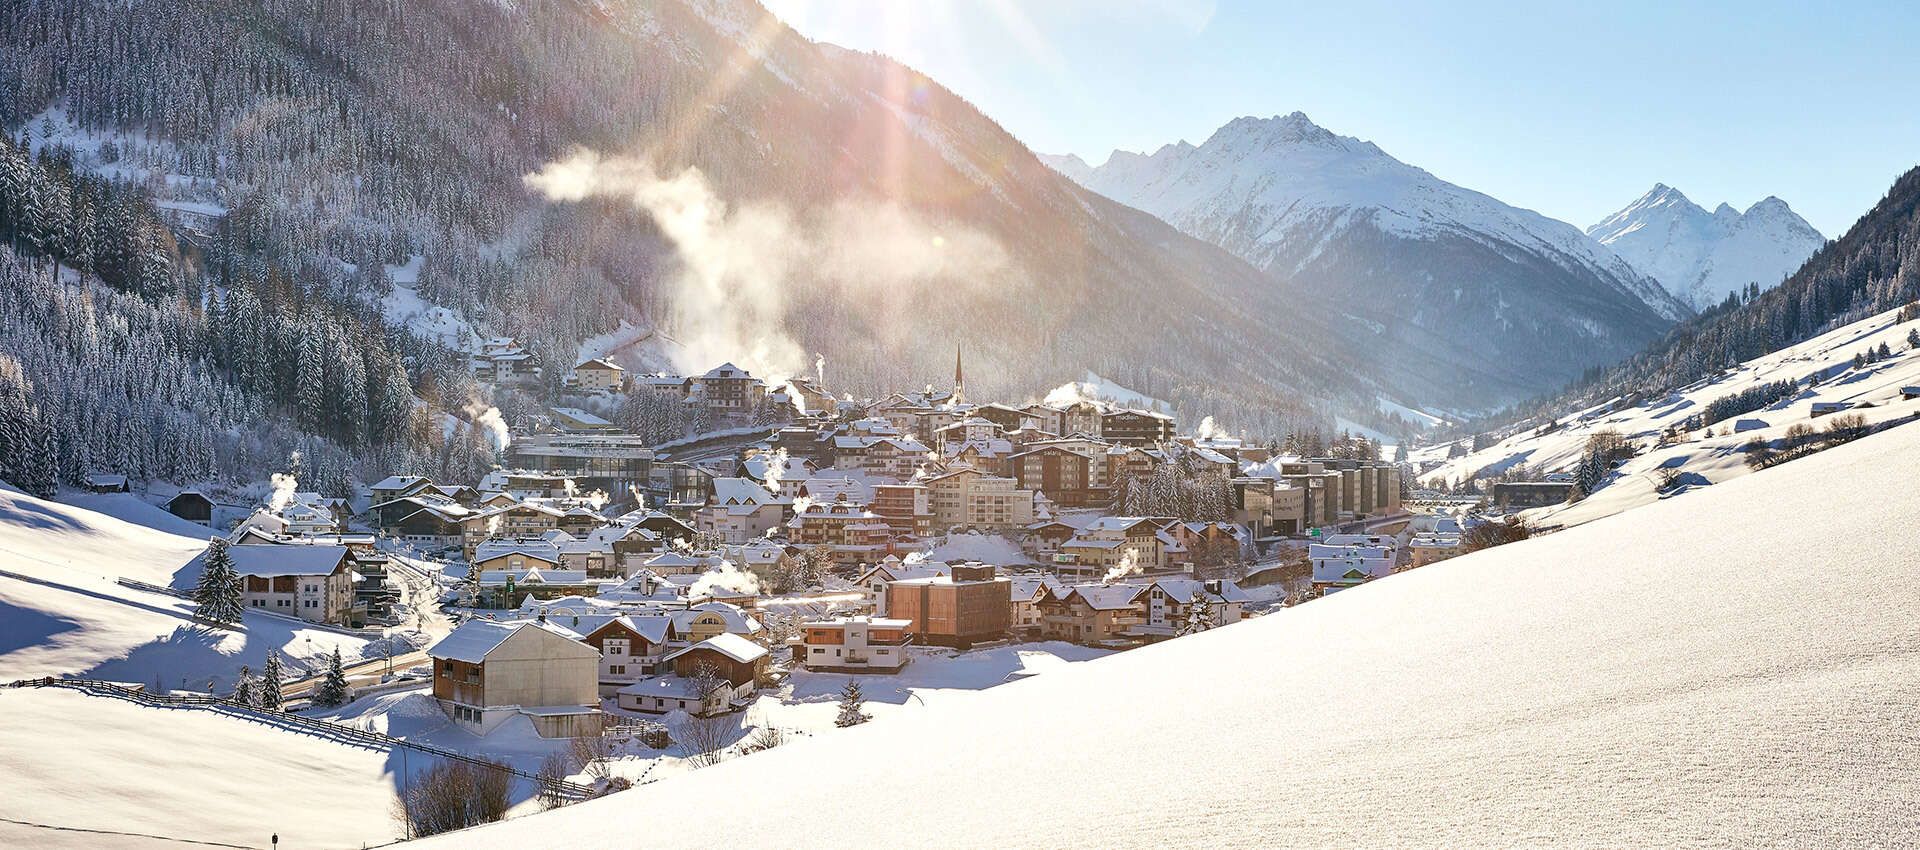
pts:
pixel 741 510
pixel 311 581
pixel 1336 567
pixel 856 644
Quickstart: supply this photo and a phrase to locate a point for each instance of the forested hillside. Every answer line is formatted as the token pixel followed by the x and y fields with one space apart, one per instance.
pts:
pixel 336 141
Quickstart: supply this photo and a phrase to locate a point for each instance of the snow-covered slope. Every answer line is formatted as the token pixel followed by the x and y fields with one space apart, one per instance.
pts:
pixel 1822 365
pixel 1702 256
pixel 1454 275
pixel 95 763
pixel 63 614
pixel 1689 675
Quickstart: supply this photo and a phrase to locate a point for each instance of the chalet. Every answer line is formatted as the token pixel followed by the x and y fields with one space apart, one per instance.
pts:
pixel 486 672
pixel 1337 567
pixel 852 533
pixel 193 506
pixel 1089 614
pixel 608 552
pixel 430 524
pixel 504 360
pixel 1027 591
pixel 522 520
pixel 855 644
pixel 1168 605
pixel 631 645
pixel 896 458
pixel 1044 538
pixel 889 570
pixel 399 487
pixel 742 509
pixel 312 582
pixel 599 374
pixel 968 605
pixel 728 389
pixel 736 667
pixel 712 619
pixel 100 482
pixel 1105 541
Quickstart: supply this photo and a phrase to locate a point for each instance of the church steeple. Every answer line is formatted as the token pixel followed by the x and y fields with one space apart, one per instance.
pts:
pixel 958 374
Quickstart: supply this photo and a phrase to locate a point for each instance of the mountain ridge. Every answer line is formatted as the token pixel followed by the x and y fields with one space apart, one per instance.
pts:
pixel 1476 286
pixel 1702 257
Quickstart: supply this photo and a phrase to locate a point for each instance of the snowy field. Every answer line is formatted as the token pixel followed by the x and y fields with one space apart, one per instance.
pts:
pixel 1706 460
pixel 1737 668
pixel 97 763
pixel 62 614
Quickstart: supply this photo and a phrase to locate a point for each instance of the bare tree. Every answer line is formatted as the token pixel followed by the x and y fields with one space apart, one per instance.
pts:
pixel 593 753
pixel 554 770
pixel 704 740
pixel 453 795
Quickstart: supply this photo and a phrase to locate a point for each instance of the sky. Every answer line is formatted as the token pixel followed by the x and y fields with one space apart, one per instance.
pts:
pixel 1573 110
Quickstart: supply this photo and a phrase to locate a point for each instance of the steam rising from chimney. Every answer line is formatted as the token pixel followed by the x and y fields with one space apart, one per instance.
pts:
pixel 1129 565
pixel 725 576
pixel 730 292
pixel 284 487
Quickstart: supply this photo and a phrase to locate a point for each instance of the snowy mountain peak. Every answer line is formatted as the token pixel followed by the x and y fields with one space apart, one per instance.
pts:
pixel 1335 216
pixel 1701 257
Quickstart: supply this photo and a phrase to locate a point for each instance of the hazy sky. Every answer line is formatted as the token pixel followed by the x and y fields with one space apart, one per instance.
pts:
pixel 1570 109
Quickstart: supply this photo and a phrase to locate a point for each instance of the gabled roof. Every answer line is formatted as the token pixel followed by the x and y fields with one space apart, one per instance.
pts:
pixel 268 560
pixel 598 363
pixel 473 640
pixel 1106 597
pixel 728 644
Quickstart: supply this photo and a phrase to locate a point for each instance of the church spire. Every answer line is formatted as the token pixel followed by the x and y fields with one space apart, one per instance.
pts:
pixel 958 375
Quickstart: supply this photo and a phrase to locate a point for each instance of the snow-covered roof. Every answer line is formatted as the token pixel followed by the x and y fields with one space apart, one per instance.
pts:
pixel 1599 686
pixel 473 640
pixel 728 644
pixel 267 560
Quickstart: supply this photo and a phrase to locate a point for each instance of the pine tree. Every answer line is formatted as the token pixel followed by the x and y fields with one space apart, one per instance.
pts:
pixel 270 676
pixel 246 688
pixel 1199 615
pixel 850 704
pixel 332 690
pixel 217 597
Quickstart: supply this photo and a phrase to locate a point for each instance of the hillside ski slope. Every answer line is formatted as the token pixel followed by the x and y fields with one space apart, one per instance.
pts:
pixel 1701 459
pixel 63 614
pixel 1737 668
pixel 98 763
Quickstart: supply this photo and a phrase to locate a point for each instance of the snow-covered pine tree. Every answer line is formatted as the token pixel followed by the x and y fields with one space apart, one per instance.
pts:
pixel 332 690
pixel 270 676
pixel 1199 615
pixel 217 597
pixel 851 703
pixel 246 688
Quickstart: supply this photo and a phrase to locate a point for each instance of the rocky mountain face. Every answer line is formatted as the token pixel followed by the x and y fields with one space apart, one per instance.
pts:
pixel 1702 257
pixel 1429 284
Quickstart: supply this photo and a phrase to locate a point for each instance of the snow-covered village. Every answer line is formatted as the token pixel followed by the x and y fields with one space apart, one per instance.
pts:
pixel 852 423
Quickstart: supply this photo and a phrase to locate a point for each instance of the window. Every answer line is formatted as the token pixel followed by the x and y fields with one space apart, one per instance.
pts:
pixel 617 669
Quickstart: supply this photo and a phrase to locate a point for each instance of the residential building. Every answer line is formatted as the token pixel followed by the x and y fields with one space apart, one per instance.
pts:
pixel 907 509
pixel 970 498
pixel 969 605
pixel 1069 478
pixel 1135 427
pixel 1168 605
pixel 631 646
pixel 856 644
pixel 1340 566
pixel 1090 614
pixel 313 582
pixel 486 671
pixel 599 374
pixel 742 509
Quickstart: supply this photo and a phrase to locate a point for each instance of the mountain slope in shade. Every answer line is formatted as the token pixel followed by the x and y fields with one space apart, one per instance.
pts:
pixel 1701 257
pixel 1480 300
pixel 1683 676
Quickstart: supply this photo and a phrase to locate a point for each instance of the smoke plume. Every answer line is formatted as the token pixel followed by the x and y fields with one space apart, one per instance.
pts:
pixel 284 486
pixel 496 426
pixel 738 264
pixel 725 576
pixel 1129 565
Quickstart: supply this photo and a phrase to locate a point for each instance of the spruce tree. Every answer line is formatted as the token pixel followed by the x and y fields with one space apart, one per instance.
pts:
pixel 850 704
pixel 270 676
pixel 333 686
pixel 246 688
pixel 217 597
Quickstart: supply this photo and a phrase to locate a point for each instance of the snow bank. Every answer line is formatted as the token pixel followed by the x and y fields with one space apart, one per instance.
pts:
pixel 1736 668
pixel 107 764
